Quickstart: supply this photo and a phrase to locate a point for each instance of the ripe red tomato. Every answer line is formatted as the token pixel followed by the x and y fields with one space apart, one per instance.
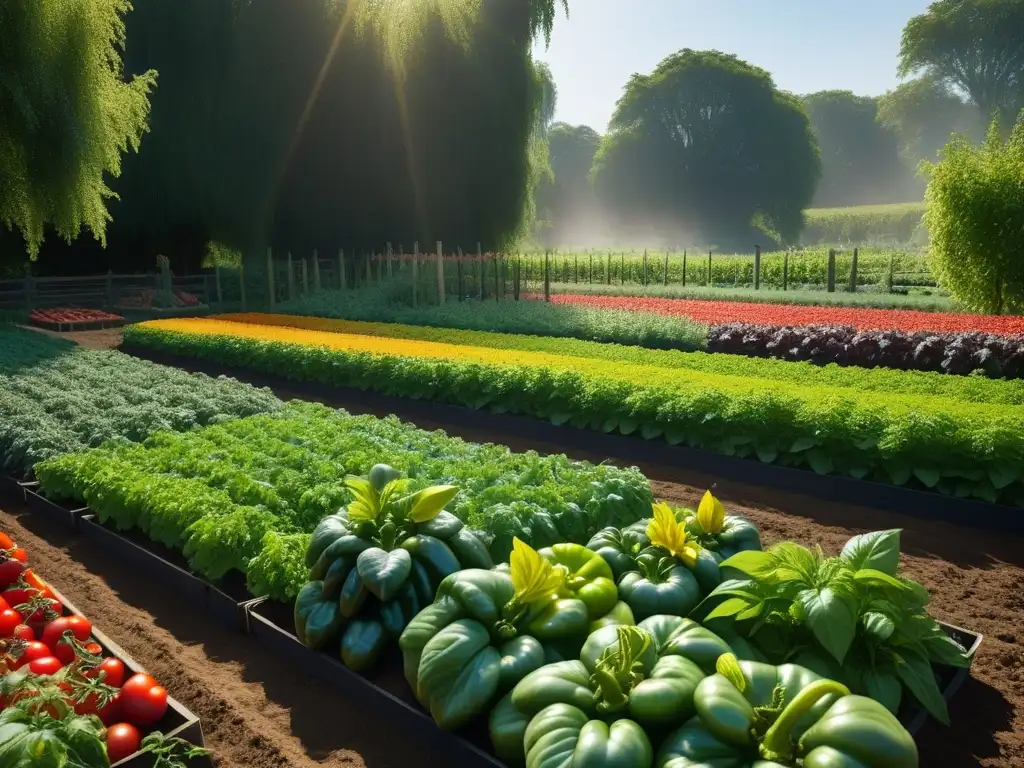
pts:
pixel 12 565
pixel 23 632
pixel 94 648
pixel 42 611
pixel 16 594
pixel 9 621
pixel 112 669
pixel 53 636
pixel 123 740
pixel 3 605
pixel 108 714
pixel 34 650
pixel 47 665
pixel 143 700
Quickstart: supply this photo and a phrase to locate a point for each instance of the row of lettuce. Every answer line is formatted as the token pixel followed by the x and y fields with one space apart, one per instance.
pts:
pixel 56 398
pixel 989 346
pixel 960 437
pixel 673 640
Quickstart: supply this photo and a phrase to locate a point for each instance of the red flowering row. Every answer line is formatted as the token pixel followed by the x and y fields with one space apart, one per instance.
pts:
pixel 65 316
pixel 717 312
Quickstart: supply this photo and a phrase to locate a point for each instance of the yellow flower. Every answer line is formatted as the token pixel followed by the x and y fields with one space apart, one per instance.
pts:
pixel 533 577
pixel 711 514
pixel 668 533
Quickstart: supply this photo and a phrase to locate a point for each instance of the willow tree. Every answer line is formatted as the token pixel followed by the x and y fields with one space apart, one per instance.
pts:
pixel 66 114
pixel 706 148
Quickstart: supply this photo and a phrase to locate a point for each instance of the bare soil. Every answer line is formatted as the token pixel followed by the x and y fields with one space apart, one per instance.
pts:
pixel 257 714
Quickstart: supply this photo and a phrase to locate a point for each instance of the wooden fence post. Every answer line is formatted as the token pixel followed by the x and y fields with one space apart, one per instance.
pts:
pixel 666 269
pixel 622 268
pixel 458 272
pixel 480 269
pixel 757 267
pixel 342 277
pixel 291 278
pixel 785 271
pixel 609 270
pixel 415 269
pixel 216 283
pixel 853 271
pixel 547 275
pixel 316 271
pixel 390 253
pixel 440 274
pixel 645 267
pixel 241 284
pixel 684 267
pixel 270 277
pixel 709 269
pixel 305 276
pixel 831 271
pixel 889 277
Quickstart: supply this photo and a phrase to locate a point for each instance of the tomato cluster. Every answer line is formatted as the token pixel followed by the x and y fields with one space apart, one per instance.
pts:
pixel 50 662
pixel 715 312
pixel 65 315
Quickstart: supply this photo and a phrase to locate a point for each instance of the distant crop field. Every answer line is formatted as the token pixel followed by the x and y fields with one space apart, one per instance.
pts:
pixel 894 223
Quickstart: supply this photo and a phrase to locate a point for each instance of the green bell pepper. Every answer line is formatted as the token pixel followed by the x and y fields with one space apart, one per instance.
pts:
pixel 562 736
pixel 753 714
pixel 442 527
pixel 620 615
pixel 620 548
pixel 676 636
pixel 588 577
pixel 327 531
pixel 507 726
pixel 470 551
pixel 484 631
pixel 317 621
pixel 396 614
pixel 362 643
pixel 384 573
pixel 353 595
pixel 661 587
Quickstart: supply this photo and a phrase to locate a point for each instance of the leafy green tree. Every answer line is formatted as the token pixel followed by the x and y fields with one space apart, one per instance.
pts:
pixel 567 200
pixel 66 114
pixel 705 148
pixel 976 46
pixel 859 157
pixel 923 114
pixel 975 216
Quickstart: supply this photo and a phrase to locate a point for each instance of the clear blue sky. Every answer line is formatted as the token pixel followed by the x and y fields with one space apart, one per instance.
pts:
pixel 807 45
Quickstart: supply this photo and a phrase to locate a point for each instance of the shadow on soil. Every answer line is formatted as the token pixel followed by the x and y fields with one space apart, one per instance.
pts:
pixel 321 718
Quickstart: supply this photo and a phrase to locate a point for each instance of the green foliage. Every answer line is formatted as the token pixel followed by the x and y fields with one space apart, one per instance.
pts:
pixel 859 156
pixel 56 398
pixel 976 46
pixel 851 618
pixel 956 388
pixel 923 113
pixel 567 201
pixel 898 222
pixel 975 216
pixel 67 114
pixel 531 318
pixel 247 493
pixel 914 440
pixel 683 142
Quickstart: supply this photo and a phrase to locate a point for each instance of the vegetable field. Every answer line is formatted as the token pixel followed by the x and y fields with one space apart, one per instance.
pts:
pixel 540 608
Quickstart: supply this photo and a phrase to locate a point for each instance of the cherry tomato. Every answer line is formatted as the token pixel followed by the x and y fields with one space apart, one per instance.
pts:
pixel 112 669
pixel 47 665
pixel 34 650
pixel 94 648
pixel 12 565
pixel 108 714
pixel 53 636
pixel 24 632
pixel 9 621
pixel 17 594
pixel 143 700
pixel 3 605
pixel 47 609
pixel 123 740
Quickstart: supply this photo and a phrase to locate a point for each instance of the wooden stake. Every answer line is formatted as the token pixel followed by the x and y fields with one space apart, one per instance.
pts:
pixel 440 275
pixel 291 278
pixel 316 271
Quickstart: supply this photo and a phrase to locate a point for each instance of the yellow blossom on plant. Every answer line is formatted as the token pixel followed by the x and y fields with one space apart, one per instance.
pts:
pixel 710 514
pixel 670 534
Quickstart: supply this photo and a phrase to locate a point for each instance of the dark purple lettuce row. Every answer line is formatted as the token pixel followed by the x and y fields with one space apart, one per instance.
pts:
pixel 954 353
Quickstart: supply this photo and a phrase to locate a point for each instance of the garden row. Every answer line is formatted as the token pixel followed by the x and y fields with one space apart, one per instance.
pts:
pixel 56 397
pixel 68 695
pixel 902 340
pixel 948 442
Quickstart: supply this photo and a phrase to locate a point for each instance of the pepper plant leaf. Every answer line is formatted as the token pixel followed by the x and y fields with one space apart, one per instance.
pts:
pixel 879 550
pixel 831 618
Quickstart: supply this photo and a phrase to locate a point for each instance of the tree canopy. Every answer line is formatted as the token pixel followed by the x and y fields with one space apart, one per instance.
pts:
pixel 66 114
pixel 976 46
pixel 707 148
pixel 859 156
pixel 567 201
pixel 327 124
pixel 923 113
pixel 975 217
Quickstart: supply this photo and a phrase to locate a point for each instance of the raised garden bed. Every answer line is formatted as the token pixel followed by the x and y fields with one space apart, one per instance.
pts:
pixel 39 504
pixel 177 722
pixel 387 692
pixel 630 449
pixel 66 320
